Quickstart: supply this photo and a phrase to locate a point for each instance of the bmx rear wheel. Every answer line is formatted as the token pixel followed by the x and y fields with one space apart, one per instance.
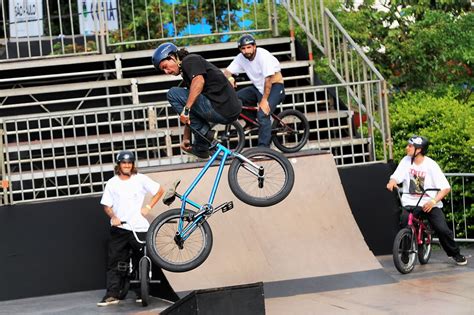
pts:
pixel 275 185
pixel 290 131
pixel 165 252
pixel 424 249
pixel 231 136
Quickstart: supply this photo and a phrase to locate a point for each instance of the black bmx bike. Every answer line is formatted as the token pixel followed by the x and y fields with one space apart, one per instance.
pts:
pixel 140 274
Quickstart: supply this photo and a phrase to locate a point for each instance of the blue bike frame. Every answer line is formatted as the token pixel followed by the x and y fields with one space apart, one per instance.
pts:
pixel 184 233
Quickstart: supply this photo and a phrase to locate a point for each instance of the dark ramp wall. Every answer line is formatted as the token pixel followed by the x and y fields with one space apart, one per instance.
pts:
pixel 52 247
pixel 57 247
pixel 374 208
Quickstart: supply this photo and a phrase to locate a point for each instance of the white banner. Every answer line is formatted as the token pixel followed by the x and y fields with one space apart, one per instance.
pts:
pixel 89 21
pixel 26 18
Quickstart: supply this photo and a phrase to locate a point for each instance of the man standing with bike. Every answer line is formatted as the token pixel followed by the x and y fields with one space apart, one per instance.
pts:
pixel 264 70
pixel 122 200
pixel 209 97
pixel 418 172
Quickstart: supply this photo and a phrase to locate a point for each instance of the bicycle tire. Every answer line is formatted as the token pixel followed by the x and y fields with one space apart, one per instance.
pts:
pixel 232 136
pixel 291 132
pixel 144 281
pixel 404 253
pixel 279 176
pixel 162 246
pixel 424 249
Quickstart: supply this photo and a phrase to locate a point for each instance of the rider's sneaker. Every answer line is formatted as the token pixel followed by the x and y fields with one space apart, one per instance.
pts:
pixel 202 154
pixel 460 260
pixel 211 135
pixel 108 300
pixel 138 299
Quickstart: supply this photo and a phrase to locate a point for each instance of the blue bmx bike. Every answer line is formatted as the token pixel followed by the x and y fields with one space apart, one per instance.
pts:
pixel 180 239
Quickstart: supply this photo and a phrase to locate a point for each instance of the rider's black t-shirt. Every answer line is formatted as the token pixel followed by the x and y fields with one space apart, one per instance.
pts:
pixel 216 87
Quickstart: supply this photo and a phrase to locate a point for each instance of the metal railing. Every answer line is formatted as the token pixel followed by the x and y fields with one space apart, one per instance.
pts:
pixel 459 205
pixel 39 29
pixel 346 59
pixel 60 154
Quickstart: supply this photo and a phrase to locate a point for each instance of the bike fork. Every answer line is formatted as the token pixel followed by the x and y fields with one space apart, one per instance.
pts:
pixel 254 169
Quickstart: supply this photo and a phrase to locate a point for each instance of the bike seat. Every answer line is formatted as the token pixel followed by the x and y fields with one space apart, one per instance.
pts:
pixel 170 194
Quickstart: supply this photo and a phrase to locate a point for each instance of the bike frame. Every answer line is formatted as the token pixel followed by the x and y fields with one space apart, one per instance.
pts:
pixel 416 224
pixel 145 255
pixel 207 209
pixel 254 122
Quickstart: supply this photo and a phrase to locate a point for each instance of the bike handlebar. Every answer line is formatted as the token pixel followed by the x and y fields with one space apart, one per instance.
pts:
pixel 133 231
pixel 400 193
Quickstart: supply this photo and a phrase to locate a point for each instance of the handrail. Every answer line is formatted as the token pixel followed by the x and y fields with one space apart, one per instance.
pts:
pixel 354 44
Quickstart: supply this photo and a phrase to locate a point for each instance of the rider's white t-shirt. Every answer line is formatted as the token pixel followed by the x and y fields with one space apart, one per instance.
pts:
pixel 263 65
pixel 126 197
pixel 415 178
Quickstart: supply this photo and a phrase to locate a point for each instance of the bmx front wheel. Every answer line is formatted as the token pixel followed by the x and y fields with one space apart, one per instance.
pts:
pixel 404 253
pixel 290 131
pixel 424 249
pixel 175 256
pixel 145 280
pixel 275 184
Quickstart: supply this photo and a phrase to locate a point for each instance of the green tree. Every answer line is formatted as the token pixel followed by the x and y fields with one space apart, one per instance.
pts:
pixel 416 44
pixel 448 123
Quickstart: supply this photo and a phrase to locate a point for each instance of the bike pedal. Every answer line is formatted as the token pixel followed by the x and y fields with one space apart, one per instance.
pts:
pixel 227 206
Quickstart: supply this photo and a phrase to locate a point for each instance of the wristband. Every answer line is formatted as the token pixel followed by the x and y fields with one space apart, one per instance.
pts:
pixel 186 111
pixel 433 201
pixel 148 207
pixel 231 79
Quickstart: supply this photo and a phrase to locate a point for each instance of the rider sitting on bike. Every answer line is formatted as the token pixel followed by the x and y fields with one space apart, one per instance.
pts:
pixel 417 172
pixel 264 70
pixel 209 97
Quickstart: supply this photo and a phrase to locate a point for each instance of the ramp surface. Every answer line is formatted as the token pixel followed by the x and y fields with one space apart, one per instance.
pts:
pixel 310 234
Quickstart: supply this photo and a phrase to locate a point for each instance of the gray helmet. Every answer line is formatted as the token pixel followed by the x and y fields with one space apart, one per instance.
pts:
pixel 125 156
pixel 162 52
pixel 246 39
pixel 419 142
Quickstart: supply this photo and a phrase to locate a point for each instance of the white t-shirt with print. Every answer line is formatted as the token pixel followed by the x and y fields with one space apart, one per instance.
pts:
pixel 126 197
pixel 415 178
pixel 263 65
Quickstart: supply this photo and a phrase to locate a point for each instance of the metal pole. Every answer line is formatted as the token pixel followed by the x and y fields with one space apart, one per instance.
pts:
pixel 5 183
pixel 275 19
pixel 102 26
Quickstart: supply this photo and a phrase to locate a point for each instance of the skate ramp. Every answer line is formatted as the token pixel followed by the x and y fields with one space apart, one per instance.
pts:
pixel 310 235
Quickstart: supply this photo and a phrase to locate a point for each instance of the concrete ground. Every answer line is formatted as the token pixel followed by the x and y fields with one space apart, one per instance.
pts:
pixel 440 287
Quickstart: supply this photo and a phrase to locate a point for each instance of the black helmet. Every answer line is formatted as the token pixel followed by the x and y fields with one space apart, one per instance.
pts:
pixel 246 39
pixel 162 52
pixel 125 156
pixel 420 142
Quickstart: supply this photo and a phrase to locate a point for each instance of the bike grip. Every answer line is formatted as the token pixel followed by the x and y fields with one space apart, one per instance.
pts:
pixel 123 222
